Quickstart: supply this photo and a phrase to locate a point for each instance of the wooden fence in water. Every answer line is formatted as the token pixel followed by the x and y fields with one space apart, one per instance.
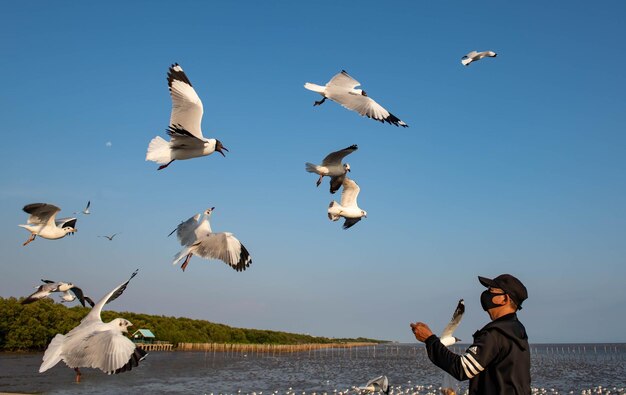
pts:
pixel 265 348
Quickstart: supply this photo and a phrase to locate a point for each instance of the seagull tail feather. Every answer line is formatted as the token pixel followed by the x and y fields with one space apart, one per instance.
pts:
pixel 314 87
pixel 159 151
pixel 181 254
pixel 311 168
pixel 52 356
pixel 334 209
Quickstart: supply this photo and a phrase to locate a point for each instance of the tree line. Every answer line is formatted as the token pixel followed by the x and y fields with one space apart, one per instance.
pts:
pixel 31 327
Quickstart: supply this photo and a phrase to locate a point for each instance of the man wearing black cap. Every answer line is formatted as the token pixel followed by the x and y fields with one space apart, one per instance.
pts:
pixel 498 362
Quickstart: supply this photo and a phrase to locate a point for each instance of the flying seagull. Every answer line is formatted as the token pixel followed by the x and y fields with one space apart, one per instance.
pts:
pixel 42 222
pixel 95 344
pixel 379 384
pixel 474 56
pixel 110 237
pixel 186 134
pixel 198 239
pixel 46 289
pixel 341 89
pixel 447 339
pixel 348 208
pixel 331 166
pixel 86 210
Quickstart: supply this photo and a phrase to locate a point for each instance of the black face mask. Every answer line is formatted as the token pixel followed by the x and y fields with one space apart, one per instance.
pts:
pixel 486 300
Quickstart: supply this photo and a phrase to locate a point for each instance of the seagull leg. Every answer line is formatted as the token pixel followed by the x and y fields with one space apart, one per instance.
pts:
pixel 319 103
pixel 32 237
pixel 78 374
pixel 165 165
pixel 184 265
pixel 319 181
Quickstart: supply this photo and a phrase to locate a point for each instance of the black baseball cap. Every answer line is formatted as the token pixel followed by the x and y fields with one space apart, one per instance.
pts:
pixel 510 285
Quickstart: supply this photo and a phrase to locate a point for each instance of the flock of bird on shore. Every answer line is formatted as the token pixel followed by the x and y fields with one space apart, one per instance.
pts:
pixel 104 346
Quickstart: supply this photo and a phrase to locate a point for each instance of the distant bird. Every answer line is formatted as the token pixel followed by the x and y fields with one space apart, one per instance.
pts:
pixel 341 89
pixel 331 166
pixel 95 344
pixel 447 339
pixel 198 239
pixel 42 222
pixel 379 384
pixel 111 237
pixel 474 56
pixel 86 210
pixel 348 208
pixel 186 134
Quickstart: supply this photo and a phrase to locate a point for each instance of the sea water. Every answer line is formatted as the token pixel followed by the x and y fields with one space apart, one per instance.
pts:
pixel 562 368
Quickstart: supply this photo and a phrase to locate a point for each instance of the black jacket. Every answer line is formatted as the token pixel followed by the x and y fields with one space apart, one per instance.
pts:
pixel 497 363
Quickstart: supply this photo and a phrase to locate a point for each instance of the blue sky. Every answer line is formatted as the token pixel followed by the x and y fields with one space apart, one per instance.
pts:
pixel 511 165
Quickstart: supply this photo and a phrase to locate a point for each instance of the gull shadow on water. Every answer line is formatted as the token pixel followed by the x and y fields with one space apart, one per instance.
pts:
pixel 561 368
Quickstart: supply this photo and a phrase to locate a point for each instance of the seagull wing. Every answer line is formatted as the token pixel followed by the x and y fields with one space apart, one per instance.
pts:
pixel 107 350
pixel 79 294
pixel 350 192
pixel 43 291
pixel 350 222
pixel 365 106
pixel 226 247
pixel 94 314
pixel 186 231
pixel 186 105
pixel 65 222
pixel 181 138
pixel 455 321
pixel 88 300
pixel 335 158
pixel 336 183
pixel 41 213
pixel 343 80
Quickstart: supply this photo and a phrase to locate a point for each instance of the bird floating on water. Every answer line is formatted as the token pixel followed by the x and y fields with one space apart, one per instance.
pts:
pixel 332 167
pixel 95 344
pixel 198 239
pixel 42 222
pixel 341 89
pixel 379 384
pixel 185 130
pixel 474 56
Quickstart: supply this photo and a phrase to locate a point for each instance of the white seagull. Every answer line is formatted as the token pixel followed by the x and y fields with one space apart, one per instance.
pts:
pixel 379 384
pixel 473 56
pixel 341 89
pixel 42 222
pixel 198 239
pixel 46 289
pixel 348 208
pixel 69 292
pixel 447 338
pixel 95 344
pixel 331 166
pixel 86 210
pixel 185 131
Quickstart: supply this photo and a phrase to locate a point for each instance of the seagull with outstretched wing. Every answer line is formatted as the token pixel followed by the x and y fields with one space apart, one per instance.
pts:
pixel 186 139
pixel 447 338
pixel 197 238
pixel 332 167
pixel 474 56
pixel 96 344
pixel 348 208
pixel 341 89
pixel 42 222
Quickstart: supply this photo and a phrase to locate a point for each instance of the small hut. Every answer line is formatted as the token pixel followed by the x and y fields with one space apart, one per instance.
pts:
pixel 144 336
